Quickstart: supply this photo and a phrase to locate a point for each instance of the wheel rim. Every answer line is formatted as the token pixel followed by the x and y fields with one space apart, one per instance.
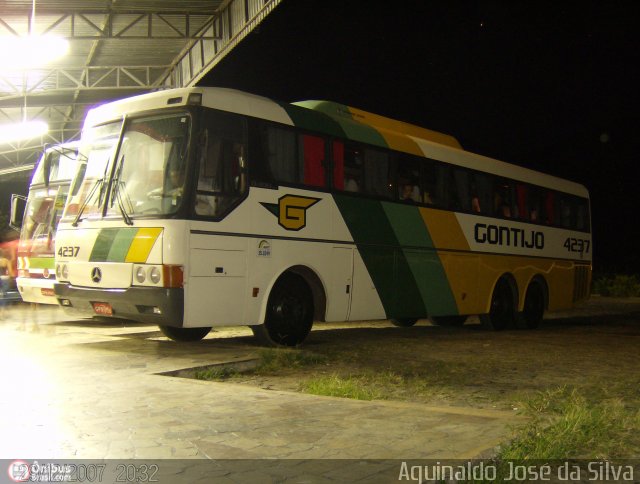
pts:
pixel 290 313
pixel 287 311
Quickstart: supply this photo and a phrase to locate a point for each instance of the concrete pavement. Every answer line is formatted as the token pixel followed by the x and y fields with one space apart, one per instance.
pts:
pixel 82 389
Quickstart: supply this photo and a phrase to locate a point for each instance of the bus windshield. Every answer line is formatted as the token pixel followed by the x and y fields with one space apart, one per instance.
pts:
pixel 149 175
pixel 62 166
pixel 96 150
pixel 42 214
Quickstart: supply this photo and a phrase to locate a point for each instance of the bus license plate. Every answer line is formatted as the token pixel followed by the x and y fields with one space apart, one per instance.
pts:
pixel 102 308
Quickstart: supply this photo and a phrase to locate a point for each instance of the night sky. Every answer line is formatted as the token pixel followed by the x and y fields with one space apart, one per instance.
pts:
pixel 552 86
pixel 547 85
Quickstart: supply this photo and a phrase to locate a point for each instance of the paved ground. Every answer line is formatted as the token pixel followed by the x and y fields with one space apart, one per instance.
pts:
pixel 89 390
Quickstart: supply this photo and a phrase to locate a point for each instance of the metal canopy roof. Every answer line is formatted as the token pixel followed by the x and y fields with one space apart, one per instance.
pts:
pixel 118 48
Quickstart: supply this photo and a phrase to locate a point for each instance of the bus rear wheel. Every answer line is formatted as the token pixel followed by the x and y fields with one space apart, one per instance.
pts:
pixel 448 320
pixel 534 303
pixel 502 312
pixel 184 334
pixel 404 322
pixel 289 313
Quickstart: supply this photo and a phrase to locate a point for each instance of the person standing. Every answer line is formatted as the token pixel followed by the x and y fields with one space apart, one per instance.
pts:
pixel 5 274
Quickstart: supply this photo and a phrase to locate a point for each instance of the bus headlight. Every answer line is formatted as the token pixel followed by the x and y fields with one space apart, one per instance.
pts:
pixel 62 272
pixel 155 275
pixel 140 275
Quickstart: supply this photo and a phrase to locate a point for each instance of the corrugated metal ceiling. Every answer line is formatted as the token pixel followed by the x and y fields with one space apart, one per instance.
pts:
pixel 117 48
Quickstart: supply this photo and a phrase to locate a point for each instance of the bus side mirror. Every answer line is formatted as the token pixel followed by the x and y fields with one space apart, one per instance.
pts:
pixel 46 168
pixel 18 205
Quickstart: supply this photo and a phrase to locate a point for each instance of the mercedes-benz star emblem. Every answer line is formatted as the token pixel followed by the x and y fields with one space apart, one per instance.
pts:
pixel 96 274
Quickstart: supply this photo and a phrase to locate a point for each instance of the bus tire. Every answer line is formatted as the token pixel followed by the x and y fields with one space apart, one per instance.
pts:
pixel 502 312
pixel 451 321
pixel 289 314
pixel 404 322
pixel 534 306
pixel 184 334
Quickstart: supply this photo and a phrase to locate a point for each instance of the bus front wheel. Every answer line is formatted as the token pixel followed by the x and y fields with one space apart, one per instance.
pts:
pixel 502 312
pixel 289 313
pixel 184 334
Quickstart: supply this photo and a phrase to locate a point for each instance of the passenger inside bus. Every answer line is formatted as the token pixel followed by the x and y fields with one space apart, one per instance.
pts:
pixel 409 192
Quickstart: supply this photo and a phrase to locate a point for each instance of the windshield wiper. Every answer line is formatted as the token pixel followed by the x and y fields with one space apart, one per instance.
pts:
pixel 98 183
pixel 121 206
pixel 116 194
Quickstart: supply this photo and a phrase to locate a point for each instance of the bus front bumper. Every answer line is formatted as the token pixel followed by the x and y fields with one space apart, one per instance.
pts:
pixel 161 306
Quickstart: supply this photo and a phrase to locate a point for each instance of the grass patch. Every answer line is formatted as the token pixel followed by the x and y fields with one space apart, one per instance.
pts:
pixel 619 285
pixel 564 423
pixel 345 387
pixel 373 385
pixel 273 360
pixel 216 373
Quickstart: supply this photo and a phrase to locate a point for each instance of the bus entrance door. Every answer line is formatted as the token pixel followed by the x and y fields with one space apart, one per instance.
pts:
pixel 340 287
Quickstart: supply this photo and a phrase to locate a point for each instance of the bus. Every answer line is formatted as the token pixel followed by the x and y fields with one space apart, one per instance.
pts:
pixel 209 206
pixel 44 206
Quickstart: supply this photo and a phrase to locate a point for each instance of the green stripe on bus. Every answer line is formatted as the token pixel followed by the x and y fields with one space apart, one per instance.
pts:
pixel 313 121
pixel 41 263
pixel 423 261
pixel 341 115
pixel 103 244
pixel 385 261
pixel 120 245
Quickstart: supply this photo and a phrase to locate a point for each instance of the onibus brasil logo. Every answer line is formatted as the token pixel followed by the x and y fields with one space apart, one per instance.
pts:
pixel 291 210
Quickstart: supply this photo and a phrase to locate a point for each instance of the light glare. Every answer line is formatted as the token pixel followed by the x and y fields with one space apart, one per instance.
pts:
pixel 22 131
pixel 30 51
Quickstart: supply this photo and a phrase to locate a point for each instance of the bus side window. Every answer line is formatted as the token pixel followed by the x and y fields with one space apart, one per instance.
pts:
pixel 429 179
pixel 521 201
pixel 222 174
pixel 581 215
pixel 549 208
pixel 502 199
pixel 314 155
pixel 376 173
pixel 534 205
pixel 338 165
pixel 409 168
pixel 461 190
pixel 566 212
pixel 280 149
pixel 442 194
pixel 353 167
pixel 483 187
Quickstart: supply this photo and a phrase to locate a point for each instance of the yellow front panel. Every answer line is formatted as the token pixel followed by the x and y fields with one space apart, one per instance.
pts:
pixel 142 244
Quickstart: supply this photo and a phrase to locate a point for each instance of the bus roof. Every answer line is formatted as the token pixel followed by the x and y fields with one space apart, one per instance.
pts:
pixel 337 120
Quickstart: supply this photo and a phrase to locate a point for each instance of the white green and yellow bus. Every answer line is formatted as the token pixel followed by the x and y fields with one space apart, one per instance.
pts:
pixel 45 202
pixel 207 206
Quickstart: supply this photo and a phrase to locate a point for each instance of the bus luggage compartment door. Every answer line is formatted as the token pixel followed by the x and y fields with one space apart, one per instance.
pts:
pixel 216 287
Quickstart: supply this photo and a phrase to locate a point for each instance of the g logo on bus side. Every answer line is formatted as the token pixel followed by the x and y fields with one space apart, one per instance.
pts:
pixel 291 211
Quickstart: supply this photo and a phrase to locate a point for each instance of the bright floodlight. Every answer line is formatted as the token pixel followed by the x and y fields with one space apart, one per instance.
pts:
pixel 30 51
pixel 22 131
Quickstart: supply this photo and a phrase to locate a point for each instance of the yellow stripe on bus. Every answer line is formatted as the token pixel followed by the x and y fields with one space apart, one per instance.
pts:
pixel 444 229
pixel 142 244
pixel 399 142
pixel 383 123
pixel 472 276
